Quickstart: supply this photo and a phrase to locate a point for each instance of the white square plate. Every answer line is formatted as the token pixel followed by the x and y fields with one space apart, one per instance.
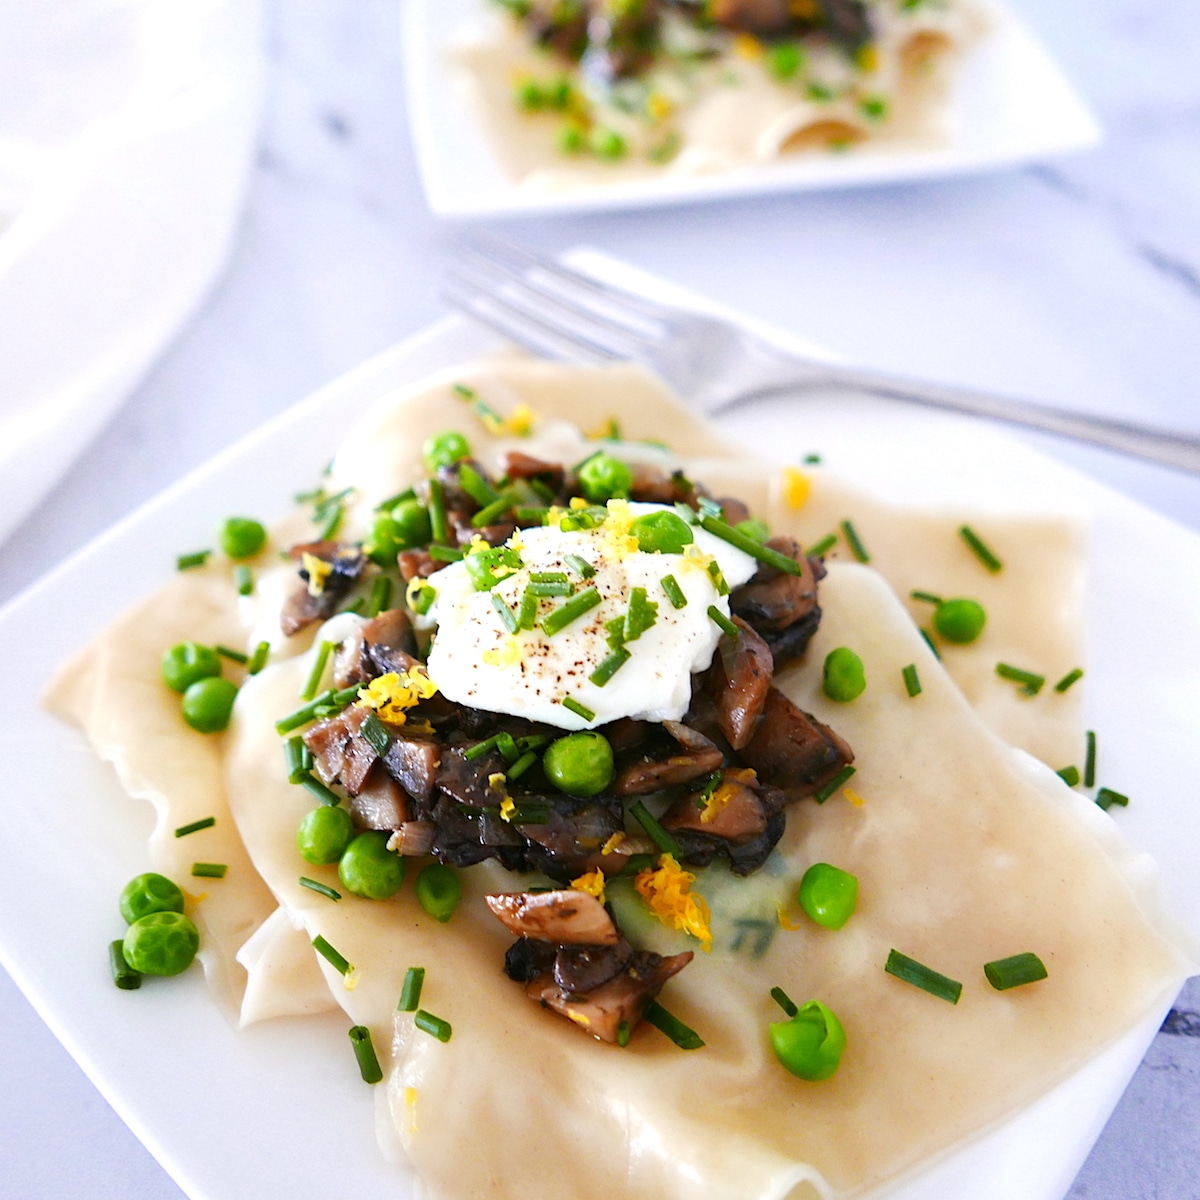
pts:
pixel 1012 104
pixel 279 1109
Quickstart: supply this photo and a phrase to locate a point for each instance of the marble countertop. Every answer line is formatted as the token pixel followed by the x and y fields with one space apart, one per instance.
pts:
pixel 1076 280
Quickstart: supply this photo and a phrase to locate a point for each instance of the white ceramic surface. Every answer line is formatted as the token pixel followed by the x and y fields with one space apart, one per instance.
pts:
pixel 222 1110
pixel 1012 104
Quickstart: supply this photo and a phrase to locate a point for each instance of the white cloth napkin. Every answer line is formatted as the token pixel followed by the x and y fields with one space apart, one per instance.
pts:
pixel 126 134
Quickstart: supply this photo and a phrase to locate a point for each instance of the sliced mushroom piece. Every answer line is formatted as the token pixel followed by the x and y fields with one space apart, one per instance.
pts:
pixel 619 1002
pixel 525 466
pixel 340 753
pixel 413 839
pixel 567 917
pixel 648 774
pixel 466 780
pixel 582 969
pixel 793 750
pixel 571 840
pixel 739 680
pixel 417 564
pixel 734 812
pixel 306 605
pixel 413 763
pixel 527 958
pixel 385 643
pixel 380 803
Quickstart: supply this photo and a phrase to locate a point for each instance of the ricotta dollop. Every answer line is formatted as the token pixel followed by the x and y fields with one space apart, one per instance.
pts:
pixel 476 661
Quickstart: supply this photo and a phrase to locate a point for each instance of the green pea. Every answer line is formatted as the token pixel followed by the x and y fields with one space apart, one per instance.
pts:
pixel 608 144
pixel 324 834
pixel 603 477
pixel 662 533
pixel 571 139
pixel 187 663
pixel 438 891
pixel 844 678
pixel 558 94
pixel 828 894
pixel 369 869
pixel 580 764
pixel 784 59
pixel 242 537
pixel 208 704
pixel 810 1045
pixel 445 449
pixel 528 95
pixel 412 523
pixel 161 943
pixel 755 528
pixel 959 621
pixel 149 893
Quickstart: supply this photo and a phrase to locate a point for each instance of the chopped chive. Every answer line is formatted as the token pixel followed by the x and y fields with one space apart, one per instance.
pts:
pixel 530 513
pixel 435 1026
pixel 320 888
pixel 855 542
pixel 654 831
pixel 487 516
pixel 527 614
pixel 332 522
pixel 359 607
pixel 377 737
pixel 438 525
pixel 535 741
pixel 195 826
pixel 1106 798
pixel 718 579
pixel 522 765
pixel 784 1001
pixel 1069 775
pixel 641 615
pixel 445 553
pixel 926 597
pixel 572 610
pixel 381 596
pixel 610 666
pixel 580 710
pixel 508 618
pixel 233 655
pixel 682 1035
pixel 398 498
pixel 507 745
pixel 579 565
pixel 812 459
pixel 124 976
pixel 302 716
pixel 1089 763
pixel 1030 683
pixel 912 683
pixel 243 579
pixel 421 596
pixel 836 782
pixel 364 1051
pixel 549 577
pixel 929 642
pixel 324 650
pixel 549 588
pixel 464 392
pixel 339 963
pixel 1015 971
pixel 297 760
pixel 315 788
pixel 923 977
pixel 623 1033
pixel 674 593
pixel 719 619
pixel 185 562
pixel 410 992
pixel 826 544
pixel 480 748
pixel 202 870
pixel 1071 677
pixel 980 549
pixel 530 812
pixel 749 545
pixel 258 659
pixel 476 486
pixel 709 508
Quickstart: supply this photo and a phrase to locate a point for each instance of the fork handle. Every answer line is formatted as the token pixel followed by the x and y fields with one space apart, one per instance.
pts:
pixel 1163 446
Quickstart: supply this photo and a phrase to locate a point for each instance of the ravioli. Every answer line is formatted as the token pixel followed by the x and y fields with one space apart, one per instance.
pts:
pixel 966 851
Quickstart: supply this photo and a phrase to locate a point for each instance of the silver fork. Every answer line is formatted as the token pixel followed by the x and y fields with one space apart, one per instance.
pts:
pixel 561 313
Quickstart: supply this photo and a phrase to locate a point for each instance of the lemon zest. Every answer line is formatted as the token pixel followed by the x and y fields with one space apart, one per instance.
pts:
pixel 747 47
pixel 853 797
pixel 613 842
pixel 410 1102
pixel 786 922
pixel 351 979
pixel 578 502
pixel 318 572
pixel 717 801
pixel 392 694
pixel 507 808
pixel 616 539
pixel 607 431
pixel 659 107
pixel 579 1018
pixel 667 892
pixel 521 421
pixel 592 883
pixel 507 654
pixel 796 488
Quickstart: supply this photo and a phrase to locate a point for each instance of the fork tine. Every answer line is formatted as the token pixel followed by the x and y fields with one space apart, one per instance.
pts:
pixel 620 337
pixel 486 243
pixel 525 329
